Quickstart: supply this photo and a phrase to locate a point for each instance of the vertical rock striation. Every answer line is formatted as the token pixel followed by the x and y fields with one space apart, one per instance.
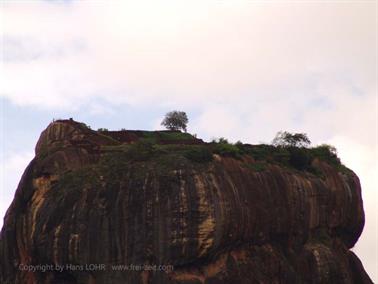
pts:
pixel 81 202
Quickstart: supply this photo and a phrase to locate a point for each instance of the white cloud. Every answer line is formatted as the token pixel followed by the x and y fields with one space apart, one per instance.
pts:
pixel 218 122
pixel 29 49
pixel 248 68
pixel 194 53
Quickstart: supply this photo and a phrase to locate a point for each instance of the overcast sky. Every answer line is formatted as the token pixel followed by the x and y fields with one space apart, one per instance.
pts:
pixel 240 69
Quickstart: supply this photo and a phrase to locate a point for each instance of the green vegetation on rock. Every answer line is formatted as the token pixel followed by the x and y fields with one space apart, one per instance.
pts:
pixel 175 135
pixel 102 130
pixel 158 136
pixel 257 166
pixel 199 154
pixel 174 147
pixel 224 148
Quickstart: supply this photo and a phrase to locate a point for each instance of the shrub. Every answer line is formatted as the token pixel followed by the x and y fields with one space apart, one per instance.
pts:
pixel 298 158
pixel 241 147
pixel 225 149
pixel 219 140
pixel 326 153
pixel 199 154
pixel 102 130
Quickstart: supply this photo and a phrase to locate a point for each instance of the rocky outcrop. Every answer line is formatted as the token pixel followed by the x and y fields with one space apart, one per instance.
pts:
pixel 85 211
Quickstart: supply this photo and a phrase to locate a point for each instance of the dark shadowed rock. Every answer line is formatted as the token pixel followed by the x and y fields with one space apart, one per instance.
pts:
pixel 89 204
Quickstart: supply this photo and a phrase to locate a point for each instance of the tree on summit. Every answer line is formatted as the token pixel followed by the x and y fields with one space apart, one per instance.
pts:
pixel 175 120
pixel 287 139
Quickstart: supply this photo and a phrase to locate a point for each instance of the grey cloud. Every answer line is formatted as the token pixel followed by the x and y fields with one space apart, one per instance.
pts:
pixel 19 49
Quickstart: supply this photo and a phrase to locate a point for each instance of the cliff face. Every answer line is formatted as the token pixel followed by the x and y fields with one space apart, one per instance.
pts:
pixel 87 204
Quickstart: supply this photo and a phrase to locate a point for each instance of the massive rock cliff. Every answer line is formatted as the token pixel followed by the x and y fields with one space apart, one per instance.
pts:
pixel 101 207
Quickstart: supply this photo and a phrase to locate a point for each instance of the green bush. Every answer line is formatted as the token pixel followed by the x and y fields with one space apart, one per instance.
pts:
pixel 225 149
pixel 326 153
pixel 102 130
pixel 296 157
pixel 242 148
pixel 199 154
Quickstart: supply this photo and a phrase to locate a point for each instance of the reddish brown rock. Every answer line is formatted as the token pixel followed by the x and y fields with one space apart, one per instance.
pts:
pixel 84 200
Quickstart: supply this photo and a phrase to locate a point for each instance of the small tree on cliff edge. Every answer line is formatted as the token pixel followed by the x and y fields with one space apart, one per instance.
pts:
pixel 287 139
pixel 175 120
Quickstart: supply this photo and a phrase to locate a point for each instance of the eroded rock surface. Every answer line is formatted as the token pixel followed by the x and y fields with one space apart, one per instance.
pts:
pixel 83 201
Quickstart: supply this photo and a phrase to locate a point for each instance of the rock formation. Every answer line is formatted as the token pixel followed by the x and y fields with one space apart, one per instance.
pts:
pixel 103 207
